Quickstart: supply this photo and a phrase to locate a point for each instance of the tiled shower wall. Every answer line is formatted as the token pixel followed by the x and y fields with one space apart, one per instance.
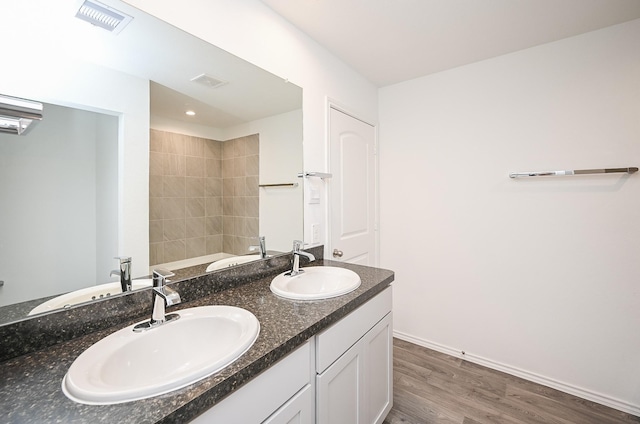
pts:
pixel 203 196
pixel 240 206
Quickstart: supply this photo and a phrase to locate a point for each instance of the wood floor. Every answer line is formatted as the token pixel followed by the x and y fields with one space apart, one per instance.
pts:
pixel 431 387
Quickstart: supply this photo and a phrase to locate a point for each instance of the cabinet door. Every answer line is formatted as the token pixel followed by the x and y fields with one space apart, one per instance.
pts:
pixel 357 388
pixel 298 410
pixel 341 390
pixel 379 371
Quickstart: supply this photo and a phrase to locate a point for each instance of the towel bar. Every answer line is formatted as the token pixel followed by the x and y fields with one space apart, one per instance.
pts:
pixel 629 170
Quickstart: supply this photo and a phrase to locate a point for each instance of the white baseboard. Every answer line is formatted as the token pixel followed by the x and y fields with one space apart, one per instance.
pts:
pixel 536 378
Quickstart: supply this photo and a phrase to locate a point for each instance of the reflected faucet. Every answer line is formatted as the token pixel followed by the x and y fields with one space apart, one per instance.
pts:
pixel 162 296
pixel 295 270
pixel 124 272
pixel 262 246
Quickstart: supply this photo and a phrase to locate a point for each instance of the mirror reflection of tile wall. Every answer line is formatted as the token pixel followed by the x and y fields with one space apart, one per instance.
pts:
pixel 203 196
pixel 240 200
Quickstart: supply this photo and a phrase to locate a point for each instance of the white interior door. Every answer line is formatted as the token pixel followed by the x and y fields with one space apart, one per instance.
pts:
pixel 352 197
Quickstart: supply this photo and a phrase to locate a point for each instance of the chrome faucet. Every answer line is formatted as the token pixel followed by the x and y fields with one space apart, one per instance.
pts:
pixel 162 296
pixel 124 272
pixel 262 246
pixel 295 270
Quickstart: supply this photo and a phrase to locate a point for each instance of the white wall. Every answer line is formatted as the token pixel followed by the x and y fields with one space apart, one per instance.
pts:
pixel 53 222
pixel 281 208
pixel 78 84
pixel 106 183
pixel 539 277
pixel 252 31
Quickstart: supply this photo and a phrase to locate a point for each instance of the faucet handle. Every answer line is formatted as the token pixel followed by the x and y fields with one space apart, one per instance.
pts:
pixel 160 276
pixel 262 246
pixel 124 272
pixel 297 244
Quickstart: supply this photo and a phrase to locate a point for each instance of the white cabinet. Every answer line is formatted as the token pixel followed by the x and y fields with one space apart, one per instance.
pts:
pixel 283 390
pixel 342 375
pixel 356 387
pixel 299 409
pixel 379 371
pixel 341 390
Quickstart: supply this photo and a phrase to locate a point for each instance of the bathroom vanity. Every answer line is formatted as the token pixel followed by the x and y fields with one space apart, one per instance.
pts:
pixel 313 361
pixel 343 373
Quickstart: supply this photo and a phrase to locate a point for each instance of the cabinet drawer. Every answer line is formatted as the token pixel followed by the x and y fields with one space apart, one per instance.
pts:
pixel 263 395
pixel 337 339
pixel 298 410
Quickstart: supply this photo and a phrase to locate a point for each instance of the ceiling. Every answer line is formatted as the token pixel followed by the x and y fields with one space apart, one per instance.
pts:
pixel 389 41
pixel 172 59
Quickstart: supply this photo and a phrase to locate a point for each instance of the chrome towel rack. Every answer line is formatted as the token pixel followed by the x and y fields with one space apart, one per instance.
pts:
pixel 279 185
pixel 322 175
pixel 629 170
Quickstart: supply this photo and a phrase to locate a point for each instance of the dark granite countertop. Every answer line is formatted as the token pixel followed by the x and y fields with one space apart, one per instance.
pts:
pixel 30 384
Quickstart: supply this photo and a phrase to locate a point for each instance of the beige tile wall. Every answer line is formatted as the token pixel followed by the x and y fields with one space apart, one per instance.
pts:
pixel 240 206
pixel 203 196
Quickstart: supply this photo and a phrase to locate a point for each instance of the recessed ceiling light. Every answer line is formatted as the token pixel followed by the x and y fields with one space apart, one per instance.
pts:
pixel 103 16
pixel 190 113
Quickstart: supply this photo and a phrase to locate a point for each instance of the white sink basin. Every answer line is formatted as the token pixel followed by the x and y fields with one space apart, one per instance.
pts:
pixel 90 293
pixel 232 261
pixel 318 282
pixel 127 365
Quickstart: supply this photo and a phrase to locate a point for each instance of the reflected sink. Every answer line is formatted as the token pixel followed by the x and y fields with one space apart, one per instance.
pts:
pixel 90 293
pixel 232 261
pixel 128 365
pixel 318 282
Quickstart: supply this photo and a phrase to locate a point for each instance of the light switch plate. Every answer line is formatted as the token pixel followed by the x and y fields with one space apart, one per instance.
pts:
pixel 315 233
pixel 314 196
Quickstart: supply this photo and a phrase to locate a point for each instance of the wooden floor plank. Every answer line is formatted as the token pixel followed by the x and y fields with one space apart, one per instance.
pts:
pixel 596 410
pixel 424 352
pixel 432 387
pixel 422 410
pixel 404 363
pixel 398 417
pixel 561 410
pixel 449 398
pixel 446 373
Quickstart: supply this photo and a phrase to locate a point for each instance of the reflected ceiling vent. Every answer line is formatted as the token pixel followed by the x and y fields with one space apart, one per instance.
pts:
pixel 208 81
pixel 16 115
pixel 103 16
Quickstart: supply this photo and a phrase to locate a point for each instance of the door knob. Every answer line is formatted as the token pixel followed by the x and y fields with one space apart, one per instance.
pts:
pixel 337 253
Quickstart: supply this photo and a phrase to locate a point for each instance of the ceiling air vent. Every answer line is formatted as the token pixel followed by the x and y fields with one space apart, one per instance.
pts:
pixel 103 16
pixel 208 81
pixel 17 114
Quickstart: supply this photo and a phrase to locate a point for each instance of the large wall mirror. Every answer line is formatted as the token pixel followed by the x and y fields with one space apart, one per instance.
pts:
pixel 117 168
